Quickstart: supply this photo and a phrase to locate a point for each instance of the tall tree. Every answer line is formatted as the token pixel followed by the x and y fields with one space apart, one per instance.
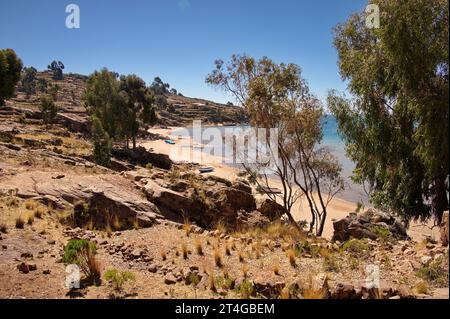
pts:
pixel 10 69
pixel 277 97
pixel 57 68
pixel 396 126
pixel 102 99
pixel 102 143
pixel 28 80
pixel 137 103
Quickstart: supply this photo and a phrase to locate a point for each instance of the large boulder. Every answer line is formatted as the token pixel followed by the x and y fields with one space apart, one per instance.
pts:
pixel 271 209
pixel 444 229
pixel 370 224
pixel 140 156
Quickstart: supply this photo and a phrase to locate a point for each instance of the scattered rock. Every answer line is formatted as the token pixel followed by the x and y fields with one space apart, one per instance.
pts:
pixel 170 279
pixel 366 225
pixel 23 267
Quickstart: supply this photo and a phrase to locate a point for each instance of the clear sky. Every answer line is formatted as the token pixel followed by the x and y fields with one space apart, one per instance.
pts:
pixel 178 40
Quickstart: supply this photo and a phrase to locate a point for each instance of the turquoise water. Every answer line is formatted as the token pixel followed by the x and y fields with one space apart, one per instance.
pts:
pixel 331 140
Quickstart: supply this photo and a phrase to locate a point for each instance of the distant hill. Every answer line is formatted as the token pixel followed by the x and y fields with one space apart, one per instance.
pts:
pixel 181 110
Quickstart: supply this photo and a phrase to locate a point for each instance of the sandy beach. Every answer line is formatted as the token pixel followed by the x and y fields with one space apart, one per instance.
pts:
pixel 185 150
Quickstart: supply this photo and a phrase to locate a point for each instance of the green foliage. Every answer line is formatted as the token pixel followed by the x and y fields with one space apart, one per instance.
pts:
pixel 137 103
pixel 382 232
pixel 74 248
pixel 330 263
pixel 103 101
pixel 357 247
pixel 48 109
pixel 122 105
pixel 42 85
pixel 102 143
pixel 396 127
pixel 119 278
pixel 28 80
pixel 10 71
pixel 436 272
pixel 245 289
pixel 82 253
pixel 57 68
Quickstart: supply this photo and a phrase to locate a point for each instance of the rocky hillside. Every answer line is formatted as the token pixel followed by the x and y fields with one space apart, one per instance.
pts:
pixel 189 235
pixel 180 110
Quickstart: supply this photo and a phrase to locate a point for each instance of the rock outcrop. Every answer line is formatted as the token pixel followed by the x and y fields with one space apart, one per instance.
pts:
pixel 271 209
pixel 140 156
pixel 370 224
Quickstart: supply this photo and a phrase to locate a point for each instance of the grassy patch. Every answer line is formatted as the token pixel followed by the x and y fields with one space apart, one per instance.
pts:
pixel 436 272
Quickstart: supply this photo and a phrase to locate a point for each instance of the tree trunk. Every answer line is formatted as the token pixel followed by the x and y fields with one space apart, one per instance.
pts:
pixel 439 201
pixel 134 141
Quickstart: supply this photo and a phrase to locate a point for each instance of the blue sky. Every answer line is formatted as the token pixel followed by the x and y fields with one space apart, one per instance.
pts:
pixel 178 40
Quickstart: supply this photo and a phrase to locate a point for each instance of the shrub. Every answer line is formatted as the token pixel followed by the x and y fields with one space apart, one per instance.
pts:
pixel 330 263
pixel 436 272
pixel 48 109
pixel 245 289
pixel 119 278
pixel 30 204
pixel 422 288
pixel 357 247
pixel 82 253
pixel 382 232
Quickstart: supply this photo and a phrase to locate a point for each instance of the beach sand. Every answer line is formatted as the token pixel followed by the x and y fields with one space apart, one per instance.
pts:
pixel 338 208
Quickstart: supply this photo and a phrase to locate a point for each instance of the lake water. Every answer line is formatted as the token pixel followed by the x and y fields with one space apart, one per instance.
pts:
pixel 331 139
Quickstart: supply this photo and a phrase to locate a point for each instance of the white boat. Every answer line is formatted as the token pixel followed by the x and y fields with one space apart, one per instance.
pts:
pixel 206 169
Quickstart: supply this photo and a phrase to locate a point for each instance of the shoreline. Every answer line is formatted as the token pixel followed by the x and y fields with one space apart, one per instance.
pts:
pixel 338 207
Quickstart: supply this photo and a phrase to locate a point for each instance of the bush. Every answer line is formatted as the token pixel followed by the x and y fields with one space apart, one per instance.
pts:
pixel 102 143
pixel 245 289
pixel 48 108
pixel 357 247
pixel 82 252
pixel 119 278
pixel 436 272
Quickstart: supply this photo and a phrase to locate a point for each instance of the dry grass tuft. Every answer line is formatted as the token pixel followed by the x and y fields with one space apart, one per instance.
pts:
pixel 285 294
pixel 217 256
pixel 198 247
pixel 276 267
pixel 184 250
pixel 310 292
pixel 244 270
pixel 422 288
pixel 30 220
pixel 20 223
pixel 163 255
pixel 291 257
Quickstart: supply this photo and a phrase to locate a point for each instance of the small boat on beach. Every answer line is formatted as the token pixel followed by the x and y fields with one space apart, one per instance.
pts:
pixel 171 142
pixel 271 190
pixel 206 169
